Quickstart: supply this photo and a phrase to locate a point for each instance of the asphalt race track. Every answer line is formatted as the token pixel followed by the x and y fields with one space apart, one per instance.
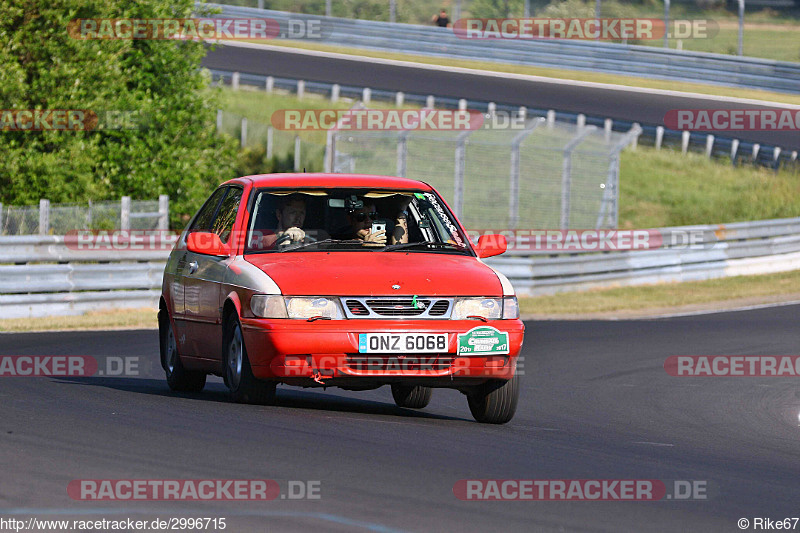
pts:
pixel 596 403
pixel 593 101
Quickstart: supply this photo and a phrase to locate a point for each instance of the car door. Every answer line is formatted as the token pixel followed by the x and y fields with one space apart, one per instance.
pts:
pixel 203 283
pixel 186 268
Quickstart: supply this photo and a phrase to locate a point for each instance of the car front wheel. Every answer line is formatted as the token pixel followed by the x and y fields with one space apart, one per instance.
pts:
pixel 244 387
pixel 494 402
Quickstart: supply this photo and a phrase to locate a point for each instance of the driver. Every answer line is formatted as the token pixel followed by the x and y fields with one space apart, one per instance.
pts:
pixel 291 213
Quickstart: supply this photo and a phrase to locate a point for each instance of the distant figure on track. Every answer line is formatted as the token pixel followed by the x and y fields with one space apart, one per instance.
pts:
pixel 441 19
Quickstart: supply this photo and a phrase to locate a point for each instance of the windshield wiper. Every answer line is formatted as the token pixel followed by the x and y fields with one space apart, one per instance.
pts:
pixel 407 245
pixel 291 248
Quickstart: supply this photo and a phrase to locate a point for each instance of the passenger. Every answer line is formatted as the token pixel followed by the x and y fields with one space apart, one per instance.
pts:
pixel 360 221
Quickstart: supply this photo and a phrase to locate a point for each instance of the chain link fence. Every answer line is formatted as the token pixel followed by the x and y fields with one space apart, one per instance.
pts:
pixel 59 219
pixel 547 175
pixel 307 151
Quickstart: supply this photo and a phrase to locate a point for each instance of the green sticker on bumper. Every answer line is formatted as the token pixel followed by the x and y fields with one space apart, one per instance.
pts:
pixel 483 340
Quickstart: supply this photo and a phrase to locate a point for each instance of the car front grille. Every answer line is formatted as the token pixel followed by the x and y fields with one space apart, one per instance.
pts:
pixel 397 307
pixel 399 364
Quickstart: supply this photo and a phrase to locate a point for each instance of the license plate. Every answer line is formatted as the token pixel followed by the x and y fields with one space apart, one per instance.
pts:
pixel 402 342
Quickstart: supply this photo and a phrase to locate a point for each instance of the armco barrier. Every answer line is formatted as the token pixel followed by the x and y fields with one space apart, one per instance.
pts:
pixel 42 276
pixel 646 61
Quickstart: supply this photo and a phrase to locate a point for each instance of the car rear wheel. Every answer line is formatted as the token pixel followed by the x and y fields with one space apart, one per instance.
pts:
pixel 411 397
pixel 178 378
pixel 244 387
pixel 495 401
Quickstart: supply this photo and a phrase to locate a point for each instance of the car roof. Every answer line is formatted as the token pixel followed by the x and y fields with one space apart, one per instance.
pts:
pixel 299 180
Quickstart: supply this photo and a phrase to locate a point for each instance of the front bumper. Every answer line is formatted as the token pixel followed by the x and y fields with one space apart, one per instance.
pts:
pixel 326 352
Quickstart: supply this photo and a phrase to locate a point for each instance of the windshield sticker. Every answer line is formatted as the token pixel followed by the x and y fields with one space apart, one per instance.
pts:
pixel 445 219
pixel 419 195
pixel 483 340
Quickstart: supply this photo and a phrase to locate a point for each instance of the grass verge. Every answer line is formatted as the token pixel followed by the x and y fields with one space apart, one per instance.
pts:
pixel 96 320
pixel 668 297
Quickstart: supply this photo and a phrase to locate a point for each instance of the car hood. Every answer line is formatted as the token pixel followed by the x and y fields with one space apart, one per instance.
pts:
pixel 375 273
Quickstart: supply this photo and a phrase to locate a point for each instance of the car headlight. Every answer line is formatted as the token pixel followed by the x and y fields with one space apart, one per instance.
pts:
pixel 268 306
pixel 305 307
pixel 510 308
pixel 489 308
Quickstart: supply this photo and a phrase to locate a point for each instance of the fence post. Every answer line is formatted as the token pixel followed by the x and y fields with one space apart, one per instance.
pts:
pixel 685 141
pixel 551 118
pixel 301 89
pixel 125 213
pixel 163 212
pixel 430 101
pixel 635 140
pixel 1 218
pixel 566 174
pixel 270 142
pixel 366 95
pixel 458 178
pixel 608 125
pixel 392 11
pixel 44 217
pixel 335 92
pixel 243 136
pixel 581 121
pixel 659 137
pixel 776 153
pixel 523 113
pixel 296 153
pixel 399 99
pixel 513 198
pixel 260 4
pixel 219 120
pixel 491 108
pixel 402 152
pixel 793 158
pixel 462 105
pixel 330 151
pixel 756 148
pixel 235 81
pixel 709 145
pixel 270 84
pixel 734 150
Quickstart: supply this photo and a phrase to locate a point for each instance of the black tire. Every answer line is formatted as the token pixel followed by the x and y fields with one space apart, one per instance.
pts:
pixel 244 387
pixel 411 397
pixel 495 402
pixel 178 378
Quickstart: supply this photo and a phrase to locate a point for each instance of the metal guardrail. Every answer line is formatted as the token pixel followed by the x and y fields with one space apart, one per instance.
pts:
pixel 81 281
pixel 742 248
pixel 650 62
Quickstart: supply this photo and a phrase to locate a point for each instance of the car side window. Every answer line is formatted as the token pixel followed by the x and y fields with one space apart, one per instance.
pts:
pixel 223 224
pixel 205 216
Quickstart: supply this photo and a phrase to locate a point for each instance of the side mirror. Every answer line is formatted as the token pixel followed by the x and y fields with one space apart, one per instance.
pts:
pixel 206 243
pixel 489 245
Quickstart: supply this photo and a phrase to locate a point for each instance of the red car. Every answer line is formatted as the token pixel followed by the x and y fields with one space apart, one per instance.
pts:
pixel 350 281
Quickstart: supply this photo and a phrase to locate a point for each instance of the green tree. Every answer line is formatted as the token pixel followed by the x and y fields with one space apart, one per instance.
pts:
pixel 174 150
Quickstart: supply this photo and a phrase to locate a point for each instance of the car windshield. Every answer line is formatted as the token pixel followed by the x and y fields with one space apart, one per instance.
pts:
pixel 373 220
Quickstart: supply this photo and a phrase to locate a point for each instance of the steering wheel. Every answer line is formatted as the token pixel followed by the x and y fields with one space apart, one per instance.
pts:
pixel 285 237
